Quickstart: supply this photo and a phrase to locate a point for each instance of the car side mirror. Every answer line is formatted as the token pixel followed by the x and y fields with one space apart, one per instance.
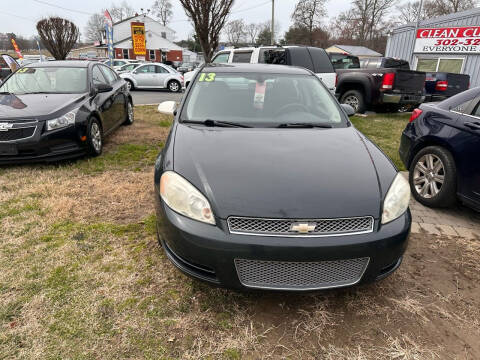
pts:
pixel 348 109
pixel 102 88
pixel 168 108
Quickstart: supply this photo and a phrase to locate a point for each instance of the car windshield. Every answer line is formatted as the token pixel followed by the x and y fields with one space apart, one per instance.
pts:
pixel 51 80
pixel 263 100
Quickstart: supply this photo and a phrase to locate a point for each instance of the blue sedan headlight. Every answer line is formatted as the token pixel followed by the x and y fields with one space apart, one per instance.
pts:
pixel 62 121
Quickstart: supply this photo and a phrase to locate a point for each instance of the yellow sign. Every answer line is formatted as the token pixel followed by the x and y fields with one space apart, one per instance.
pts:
pixel 138 38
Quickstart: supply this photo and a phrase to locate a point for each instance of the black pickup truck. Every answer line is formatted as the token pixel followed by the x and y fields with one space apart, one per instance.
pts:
pixel 442 85
pixel 379 87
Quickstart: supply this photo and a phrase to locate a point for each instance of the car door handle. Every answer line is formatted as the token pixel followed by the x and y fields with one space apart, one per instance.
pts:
pixel 473 125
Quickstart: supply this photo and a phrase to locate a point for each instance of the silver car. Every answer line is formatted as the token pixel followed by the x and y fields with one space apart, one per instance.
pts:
pixel 154 76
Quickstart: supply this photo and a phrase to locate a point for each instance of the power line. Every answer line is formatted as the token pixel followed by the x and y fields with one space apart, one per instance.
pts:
pixel 63 8
pixel 17 16
pixel 234 12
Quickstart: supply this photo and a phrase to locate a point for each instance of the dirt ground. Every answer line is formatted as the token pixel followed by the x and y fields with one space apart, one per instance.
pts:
pixel 82 277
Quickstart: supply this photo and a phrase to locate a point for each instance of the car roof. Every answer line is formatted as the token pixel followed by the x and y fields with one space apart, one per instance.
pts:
pixel 256 68
pixel 61 63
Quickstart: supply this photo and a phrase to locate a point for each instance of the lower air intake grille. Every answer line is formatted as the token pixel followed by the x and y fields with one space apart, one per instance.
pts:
pixel 300 275
pixel 16 134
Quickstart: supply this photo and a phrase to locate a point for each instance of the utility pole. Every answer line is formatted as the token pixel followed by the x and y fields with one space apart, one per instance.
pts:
pixel 272 40
pixel 417 26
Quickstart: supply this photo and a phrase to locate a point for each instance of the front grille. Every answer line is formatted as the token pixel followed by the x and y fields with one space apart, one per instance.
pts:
pixel 281 275
pixel 283 227
pixel 17 134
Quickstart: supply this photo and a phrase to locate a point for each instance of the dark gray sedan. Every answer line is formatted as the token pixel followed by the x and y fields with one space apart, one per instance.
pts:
pixel 264 183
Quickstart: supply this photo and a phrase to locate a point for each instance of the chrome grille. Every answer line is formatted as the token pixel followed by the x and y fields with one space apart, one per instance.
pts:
pixel 17 133
pixel 281 275
pixel 283 227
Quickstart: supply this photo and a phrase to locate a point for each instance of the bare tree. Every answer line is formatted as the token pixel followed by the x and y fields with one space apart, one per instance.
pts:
pixel 444 7
pixel 162 9
pixel 265 30
pixel 95 27
pixel 121 11
pixel 208 18
pixel 58 36
pixel 236 31
pixel 308 14
pixel 252 31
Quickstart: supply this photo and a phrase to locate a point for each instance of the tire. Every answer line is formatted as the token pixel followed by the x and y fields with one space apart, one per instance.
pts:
pixel 129 118
pixel 94 137
pixel 355 99
pixel 174 86
pixel 130 85
pixel 433 177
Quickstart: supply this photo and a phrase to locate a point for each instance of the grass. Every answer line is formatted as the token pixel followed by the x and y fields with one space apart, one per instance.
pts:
pixel 385 130
pixel 83 277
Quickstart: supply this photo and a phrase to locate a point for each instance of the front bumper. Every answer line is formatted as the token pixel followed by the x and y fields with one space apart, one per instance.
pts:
pixel 402 99
pixel 49 146
pixel 209 252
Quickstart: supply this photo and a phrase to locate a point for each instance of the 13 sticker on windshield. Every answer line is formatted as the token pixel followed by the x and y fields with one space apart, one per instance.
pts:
pixel 208 77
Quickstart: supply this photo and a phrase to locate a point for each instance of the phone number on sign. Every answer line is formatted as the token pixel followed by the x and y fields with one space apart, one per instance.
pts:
pixel 467 42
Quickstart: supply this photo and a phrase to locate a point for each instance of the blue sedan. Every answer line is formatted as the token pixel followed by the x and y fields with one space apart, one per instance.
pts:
pixel 441 148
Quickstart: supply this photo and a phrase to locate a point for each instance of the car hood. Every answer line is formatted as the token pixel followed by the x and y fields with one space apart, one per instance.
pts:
pixel 280 173
pixel 35 105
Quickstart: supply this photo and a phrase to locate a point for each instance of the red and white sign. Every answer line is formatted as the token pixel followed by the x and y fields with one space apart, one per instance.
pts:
pixel 452 40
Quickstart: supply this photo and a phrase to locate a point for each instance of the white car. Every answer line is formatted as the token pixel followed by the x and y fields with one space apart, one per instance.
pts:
pixel 312 58
pixel 153 76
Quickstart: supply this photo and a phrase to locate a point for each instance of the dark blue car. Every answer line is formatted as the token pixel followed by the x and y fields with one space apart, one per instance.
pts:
pixel 441 149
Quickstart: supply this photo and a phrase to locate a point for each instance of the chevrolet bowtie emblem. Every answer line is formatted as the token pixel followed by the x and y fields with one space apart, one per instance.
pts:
pixel 5 126
pixel 303 228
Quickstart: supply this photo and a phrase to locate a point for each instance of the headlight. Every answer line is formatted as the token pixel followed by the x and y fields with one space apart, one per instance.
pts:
pixel 184 198
pixel 397 199
pixel 62 121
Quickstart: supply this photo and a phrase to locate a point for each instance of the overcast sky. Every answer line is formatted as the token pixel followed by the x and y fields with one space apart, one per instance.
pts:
pixel 20 16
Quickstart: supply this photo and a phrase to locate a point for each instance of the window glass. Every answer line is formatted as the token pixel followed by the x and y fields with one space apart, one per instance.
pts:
pixel 152 54
pixel 161 70
pixel 242 56
pixel 341 61
pixel 146 69
pixel 110 75
pixel 119 63
pixel 47 80
pixel 450 65
pixel 125 53
pixel 221 58
pixel 427 65
pixel 259 99
pixel 461 108
pixel 476 111
pixel 97 76
pixel 374 63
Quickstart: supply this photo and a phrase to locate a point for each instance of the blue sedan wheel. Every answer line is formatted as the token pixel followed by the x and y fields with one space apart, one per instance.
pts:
pixel 433 177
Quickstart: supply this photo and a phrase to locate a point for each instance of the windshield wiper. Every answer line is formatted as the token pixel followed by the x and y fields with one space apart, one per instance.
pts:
pixel 220 123
pixel 305 125
pixel 5 93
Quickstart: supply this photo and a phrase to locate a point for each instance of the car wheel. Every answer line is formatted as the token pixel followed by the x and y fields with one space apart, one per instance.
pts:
pixel 130 85
pixel 174 86
pixel 129 116
pixel 355 99
pixel 95 137
pixel 433 177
